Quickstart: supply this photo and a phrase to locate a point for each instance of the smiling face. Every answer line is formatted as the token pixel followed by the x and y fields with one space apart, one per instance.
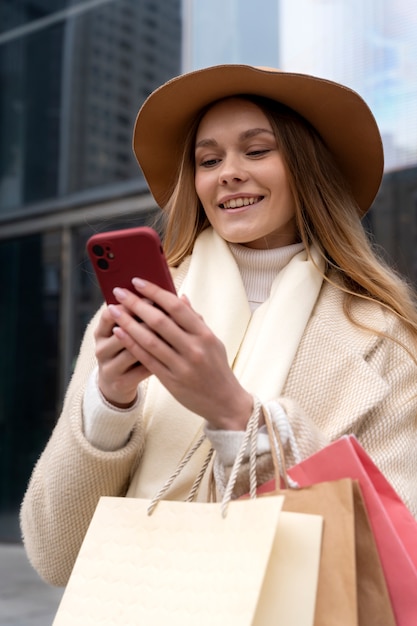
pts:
pixel 240 177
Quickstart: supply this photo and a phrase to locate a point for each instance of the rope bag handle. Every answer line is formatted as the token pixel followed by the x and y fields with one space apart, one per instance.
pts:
pixel 249 442
pixel 277 453
pixel 197 482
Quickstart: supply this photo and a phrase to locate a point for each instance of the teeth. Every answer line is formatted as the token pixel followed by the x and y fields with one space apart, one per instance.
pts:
pixel 238 202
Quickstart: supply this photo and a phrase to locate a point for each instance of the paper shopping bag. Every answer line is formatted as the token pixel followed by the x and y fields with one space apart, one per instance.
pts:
pixel 183 565
pixel 374 604
pixel 393 526
pixel 351 587
pixel 289 591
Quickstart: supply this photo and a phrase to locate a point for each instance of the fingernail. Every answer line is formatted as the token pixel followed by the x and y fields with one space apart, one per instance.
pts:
pixel 116 330
pixel 139 283
pixel 120 294
pixel 114 311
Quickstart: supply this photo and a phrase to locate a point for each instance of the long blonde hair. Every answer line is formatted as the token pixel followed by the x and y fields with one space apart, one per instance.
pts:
pixel 326 214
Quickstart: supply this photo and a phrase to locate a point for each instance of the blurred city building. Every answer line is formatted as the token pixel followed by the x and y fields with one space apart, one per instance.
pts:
pixel 73 74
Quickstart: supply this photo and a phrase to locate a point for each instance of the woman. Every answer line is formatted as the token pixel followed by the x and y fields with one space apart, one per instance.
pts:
pixel 283 307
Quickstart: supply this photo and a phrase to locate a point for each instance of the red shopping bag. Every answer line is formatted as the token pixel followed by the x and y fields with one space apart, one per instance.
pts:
pixel 394 528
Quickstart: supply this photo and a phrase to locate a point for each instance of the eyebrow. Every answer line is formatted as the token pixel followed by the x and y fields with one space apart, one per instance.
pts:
pixel 247 134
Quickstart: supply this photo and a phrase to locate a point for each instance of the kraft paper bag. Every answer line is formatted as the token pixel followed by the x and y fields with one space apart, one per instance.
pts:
pixel 393 526
pixel 186 564
pixel 351 588
pixel 374 605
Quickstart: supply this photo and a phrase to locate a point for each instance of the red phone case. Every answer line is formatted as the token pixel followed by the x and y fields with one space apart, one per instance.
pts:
pixel 120 255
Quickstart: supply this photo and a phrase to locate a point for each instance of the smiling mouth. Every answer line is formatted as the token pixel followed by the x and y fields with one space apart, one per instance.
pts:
pixel 236 203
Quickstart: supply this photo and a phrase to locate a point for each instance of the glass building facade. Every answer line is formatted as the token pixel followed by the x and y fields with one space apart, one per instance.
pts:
pixel 73 74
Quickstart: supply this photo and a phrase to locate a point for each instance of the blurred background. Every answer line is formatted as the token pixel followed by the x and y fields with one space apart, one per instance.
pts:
pixel 73 74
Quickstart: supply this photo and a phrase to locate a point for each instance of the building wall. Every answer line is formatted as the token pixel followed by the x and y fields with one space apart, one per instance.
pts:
pixel 73 75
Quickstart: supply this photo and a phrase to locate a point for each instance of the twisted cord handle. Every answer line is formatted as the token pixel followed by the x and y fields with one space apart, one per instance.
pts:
pixel 162 491
pixel 249 438
pixel 249 441
pixel 277 453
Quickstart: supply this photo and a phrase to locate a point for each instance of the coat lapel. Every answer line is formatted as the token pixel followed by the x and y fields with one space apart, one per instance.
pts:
pixel 353 384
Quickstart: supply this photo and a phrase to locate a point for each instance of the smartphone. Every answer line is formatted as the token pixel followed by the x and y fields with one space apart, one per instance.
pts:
pixel 120 255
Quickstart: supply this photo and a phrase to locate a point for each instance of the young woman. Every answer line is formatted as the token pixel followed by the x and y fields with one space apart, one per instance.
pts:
pixel 283 307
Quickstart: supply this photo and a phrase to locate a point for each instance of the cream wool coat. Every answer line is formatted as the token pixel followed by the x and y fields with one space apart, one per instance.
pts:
pixel 341 380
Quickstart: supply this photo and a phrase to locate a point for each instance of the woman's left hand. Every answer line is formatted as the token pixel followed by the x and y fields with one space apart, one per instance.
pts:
pixel 174 343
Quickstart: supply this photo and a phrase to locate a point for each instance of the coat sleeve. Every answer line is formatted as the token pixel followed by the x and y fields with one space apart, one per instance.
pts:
pixel 69 478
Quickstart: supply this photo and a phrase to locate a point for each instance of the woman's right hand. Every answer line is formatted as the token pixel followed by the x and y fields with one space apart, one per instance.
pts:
pixel 118 372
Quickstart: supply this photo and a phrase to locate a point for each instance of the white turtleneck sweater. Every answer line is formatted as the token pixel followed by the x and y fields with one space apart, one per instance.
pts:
pixel 259 268
pixel 108 428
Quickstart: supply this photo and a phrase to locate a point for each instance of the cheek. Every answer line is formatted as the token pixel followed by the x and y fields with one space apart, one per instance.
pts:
pixel 202 187
pixel 197 184
pixel 283 187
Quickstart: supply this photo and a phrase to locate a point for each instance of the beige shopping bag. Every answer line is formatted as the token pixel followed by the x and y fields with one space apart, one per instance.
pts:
pixel 289 591
pixel 187 565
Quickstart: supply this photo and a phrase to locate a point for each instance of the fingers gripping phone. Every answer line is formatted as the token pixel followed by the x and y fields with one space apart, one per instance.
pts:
pixel 120 255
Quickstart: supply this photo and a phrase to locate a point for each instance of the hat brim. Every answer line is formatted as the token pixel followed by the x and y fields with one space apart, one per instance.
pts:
pixel 341 117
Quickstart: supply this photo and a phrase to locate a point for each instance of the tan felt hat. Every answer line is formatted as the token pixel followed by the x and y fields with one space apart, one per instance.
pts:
pixel 342 118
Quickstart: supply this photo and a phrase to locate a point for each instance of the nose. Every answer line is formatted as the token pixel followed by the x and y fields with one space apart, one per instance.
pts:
pixel 232 170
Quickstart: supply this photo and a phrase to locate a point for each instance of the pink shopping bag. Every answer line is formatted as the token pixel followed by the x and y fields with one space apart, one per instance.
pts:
pixel 394 528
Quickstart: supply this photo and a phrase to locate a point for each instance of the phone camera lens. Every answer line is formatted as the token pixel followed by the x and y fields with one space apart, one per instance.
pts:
pixel 98 250
pixel 103 264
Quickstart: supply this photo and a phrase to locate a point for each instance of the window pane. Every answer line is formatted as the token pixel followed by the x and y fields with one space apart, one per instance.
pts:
pixel 29 366
pixel 70 92
pixel 18 13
